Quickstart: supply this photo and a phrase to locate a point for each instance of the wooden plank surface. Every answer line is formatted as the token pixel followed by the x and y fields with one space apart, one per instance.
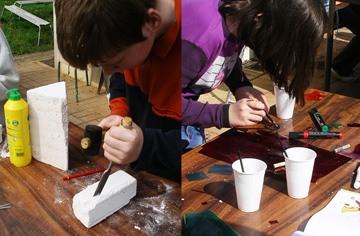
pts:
pixel 218 194
pixel 41 202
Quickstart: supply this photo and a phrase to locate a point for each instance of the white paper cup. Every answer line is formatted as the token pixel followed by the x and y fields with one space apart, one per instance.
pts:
pixel 299 169
pixel 249 185
pixel 284 104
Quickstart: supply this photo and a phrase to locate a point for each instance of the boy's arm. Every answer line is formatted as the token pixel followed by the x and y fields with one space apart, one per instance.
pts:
pixel 156 151
pixel 118 102
pixel 161 153
pixel 9 77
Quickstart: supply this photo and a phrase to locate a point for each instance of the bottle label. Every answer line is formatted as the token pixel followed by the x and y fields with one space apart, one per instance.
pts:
pixel 15 138
pixel 18 132
pixel 15 123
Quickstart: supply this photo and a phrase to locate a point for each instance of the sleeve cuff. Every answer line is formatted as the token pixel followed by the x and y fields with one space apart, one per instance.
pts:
pixel 226 123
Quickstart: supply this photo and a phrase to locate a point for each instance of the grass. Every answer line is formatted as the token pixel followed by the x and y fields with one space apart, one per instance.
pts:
pixel 23 35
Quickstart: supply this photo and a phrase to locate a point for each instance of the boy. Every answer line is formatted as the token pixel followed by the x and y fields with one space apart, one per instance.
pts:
pixel 140 38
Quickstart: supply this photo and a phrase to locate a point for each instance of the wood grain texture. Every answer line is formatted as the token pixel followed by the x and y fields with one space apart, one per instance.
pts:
pixel 292 214
pixel 41 202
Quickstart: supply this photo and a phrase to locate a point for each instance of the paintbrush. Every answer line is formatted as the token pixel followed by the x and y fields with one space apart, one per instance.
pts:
pixel 273 123
pixel 83 174
pixel 282 146
pixel 241 163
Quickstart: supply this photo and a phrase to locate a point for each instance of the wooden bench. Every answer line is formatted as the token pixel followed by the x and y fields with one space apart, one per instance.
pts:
pixel 27 16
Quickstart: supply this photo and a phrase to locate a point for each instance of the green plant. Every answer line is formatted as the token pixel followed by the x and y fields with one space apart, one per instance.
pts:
pixel 23 35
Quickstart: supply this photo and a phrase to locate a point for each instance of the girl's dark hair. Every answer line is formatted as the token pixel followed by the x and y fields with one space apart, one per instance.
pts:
pixel 88 30
pixel 285 36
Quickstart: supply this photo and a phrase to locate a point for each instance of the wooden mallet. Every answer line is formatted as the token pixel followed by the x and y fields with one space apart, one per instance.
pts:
pixel 93 136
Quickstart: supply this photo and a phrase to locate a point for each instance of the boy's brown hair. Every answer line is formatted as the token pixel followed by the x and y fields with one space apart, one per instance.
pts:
pixel 89 30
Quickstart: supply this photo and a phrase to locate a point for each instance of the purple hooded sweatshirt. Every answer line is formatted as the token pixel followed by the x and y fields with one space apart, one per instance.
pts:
pixel 210 55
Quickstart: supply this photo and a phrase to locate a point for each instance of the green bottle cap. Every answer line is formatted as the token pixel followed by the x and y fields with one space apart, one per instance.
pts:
pixel 325 128
pixel 14 95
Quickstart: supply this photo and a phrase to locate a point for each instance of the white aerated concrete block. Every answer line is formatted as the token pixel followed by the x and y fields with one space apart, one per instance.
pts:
pixel 117 192
pixel 48 119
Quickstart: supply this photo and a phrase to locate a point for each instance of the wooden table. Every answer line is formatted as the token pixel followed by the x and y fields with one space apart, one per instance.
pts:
pixel 41 202
pixel 217 195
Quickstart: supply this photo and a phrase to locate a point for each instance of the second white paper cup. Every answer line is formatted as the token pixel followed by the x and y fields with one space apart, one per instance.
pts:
pixel 249 184
pixel 299 170
pixel 284 104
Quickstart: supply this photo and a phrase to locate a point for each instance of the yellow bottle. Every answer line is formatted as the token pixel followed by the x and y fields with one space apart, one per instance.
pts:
pixel 17 128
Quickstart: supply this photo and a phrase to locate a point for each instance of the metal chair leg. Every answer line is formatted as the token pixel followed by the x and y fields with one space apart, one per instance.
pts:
pixel 59 71
pixel 87 78
pixel 102 77
pixel 105 83
pixel 52 33
pixel 228 98
pixel 76 86
pixel 39 35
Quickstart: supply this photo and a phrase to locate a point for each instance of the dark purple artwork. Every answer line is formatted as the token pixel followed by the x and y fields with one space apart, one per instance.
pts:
pixel 264 145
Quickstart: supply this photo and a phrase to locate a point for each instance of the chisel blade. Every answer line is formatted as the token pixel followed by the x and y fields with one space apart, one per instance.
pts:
pixel 103 180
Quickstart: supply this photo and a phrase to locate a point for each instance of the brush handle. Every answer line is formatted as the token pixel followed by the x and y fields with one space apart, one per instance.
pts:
pixel 241 163
pixel 281 144
pixel 267 115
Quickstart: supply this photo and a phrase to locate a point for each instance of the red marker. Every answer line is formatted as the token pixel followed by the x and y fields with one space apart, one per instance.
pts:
pixel 309 134
pixel 82 174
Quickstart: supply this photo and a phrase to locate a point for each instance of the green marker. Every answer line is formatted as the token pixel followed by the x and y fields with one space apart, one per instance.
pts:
pixel 318 121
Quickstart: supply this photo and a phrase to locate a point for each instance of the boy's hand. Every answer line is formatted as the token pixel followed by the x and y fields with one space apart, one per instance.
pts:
pixel 121 145
pixel 246 112
pixel 110 121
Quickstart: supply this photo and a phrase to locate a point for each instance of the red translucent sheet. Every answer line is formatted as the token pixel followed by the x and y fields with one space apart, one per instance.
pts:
pixel 264 145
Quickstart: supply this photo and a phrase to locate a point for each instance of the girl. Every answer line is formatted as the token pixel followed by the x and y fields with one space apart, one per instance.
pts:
pixel 284 34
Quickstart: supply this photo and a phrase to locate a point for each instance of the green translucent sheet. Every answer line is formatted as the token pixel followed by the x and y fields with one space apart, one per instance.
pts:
pixel 206 224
